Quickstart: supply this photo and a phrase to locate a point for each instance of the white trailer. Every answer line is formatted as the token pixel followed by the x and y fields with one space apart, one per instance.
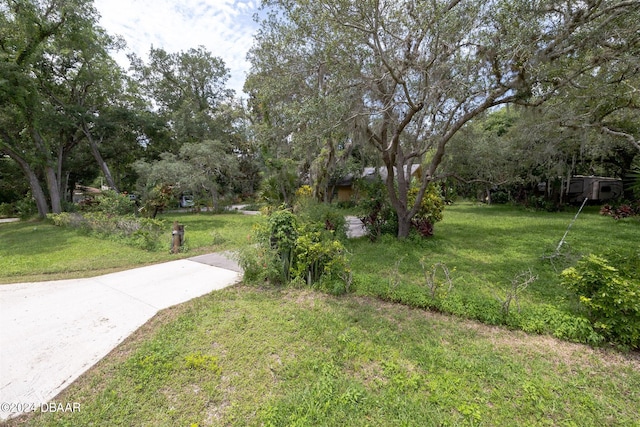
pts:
pixel 596 188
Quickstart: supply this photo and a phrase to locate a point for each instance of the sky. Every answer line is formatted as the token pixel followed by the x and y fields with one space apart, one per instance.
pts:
pixel 224 27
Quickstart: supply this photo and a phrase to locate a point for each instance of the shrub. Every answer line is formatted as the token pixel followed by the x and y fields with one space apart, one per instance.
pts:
pixel 609 287
pixel 376 212
pixel 379 217
pixel 346 204
pixel 7 210
pixel 282 233
pixel 318 255
pixel 312 211
pixel 60 220
pixel 430 210
pixel 305 192
pixel 143 233
pixel 623 210
pixel 148 234
pixel 289 248
pixel 112 203
pixel 26 207
pixel 500 197
pixel 259 264
pixel 157 199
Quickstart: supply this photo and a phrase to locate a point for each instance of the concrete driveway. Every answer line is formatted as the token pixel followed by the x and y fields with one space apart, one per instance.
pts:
pixel 52 332
pixel 355 227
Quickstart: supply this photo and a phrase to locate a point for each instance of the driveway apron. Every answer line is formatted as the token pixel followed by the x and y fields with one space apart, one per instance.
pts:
pixel 52 332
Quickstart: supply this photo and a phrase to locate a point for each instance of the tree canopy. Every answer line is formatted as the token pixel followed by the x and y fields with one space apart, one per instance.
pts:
pixel 405 77
pixel 335 86
pixel 55 71
pixel 69 112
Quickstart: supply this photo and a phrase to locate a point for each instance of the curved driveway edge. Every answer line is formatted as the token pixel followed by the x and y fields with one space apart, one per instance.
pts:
pixel 52 332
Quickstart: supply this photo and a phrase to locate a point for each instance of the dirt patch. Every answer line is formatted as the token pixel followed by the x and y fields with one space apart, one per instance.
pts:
pixel 305 298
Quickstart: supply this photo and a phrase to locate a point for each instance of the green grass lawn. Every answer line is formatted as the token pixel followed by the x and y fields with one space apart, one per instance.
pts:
pixel 246 356
pixel 485 248
pixel 252 356
pixel 489 245
pixel 37 250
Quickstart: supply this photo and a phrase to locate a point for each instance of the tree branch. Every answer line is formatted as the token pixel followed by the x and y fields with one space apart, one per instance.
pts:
pixel 626 135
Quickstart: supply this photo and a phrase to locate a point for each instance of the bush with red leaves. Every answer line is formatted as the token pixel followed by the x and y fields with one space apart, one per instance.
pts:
pixel 624 210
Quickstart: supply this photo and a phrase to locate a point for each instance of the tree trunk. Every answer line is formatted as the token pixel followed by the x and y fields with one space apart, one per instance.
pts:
pixel 38 195
pixel 65 186
pixel 99 159
pixel 215 197
pixel 51 178
pixel 34 183
pixel 283 191
pixel 404 226
pixel 54 189
pixel 399 203
pixel 36 188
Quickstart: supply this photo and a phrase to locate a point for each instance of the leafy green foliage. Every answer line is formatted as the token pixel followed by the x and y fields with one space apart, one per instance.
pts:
pixel 430 210
pixel 157 200
pixel 46 50
pixel 189 90
pixel 282 234
pixel 379 217
pixel 609 287
pixel 318 255
pixel 12 183
pixel 294 248
pixel 312 211
pixel 387 58
pixel 26 207
pixel 377 214
pixel 112 203
pixel 7 210
pixel 143 233
pixel 279 182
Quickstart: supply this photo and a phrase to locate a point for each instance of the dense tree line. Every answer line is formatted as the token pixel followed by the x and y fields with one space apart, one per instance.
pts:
pixel 527 155
pixel 70 113
pixel 403 78
pixel 335 86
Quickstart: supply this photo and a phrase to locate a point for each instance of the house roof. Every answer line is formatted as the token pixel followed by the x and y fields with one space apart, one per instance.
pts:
pixel 86 190
pixel 372 172
pixel 382 171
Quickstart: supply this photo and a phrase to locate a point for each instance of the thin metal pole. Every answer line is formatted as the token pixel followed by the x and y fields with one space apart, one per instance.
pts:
pixel 570 224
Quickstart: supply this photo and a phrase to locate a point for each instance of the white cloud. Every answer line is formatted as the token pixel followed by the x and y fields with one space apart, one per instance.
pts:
pixel 223 27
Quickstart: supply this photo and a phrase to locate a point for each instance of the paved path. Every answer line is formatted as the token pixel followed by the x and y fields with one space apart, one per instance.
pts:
pixel 52 332
pixel 356 227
